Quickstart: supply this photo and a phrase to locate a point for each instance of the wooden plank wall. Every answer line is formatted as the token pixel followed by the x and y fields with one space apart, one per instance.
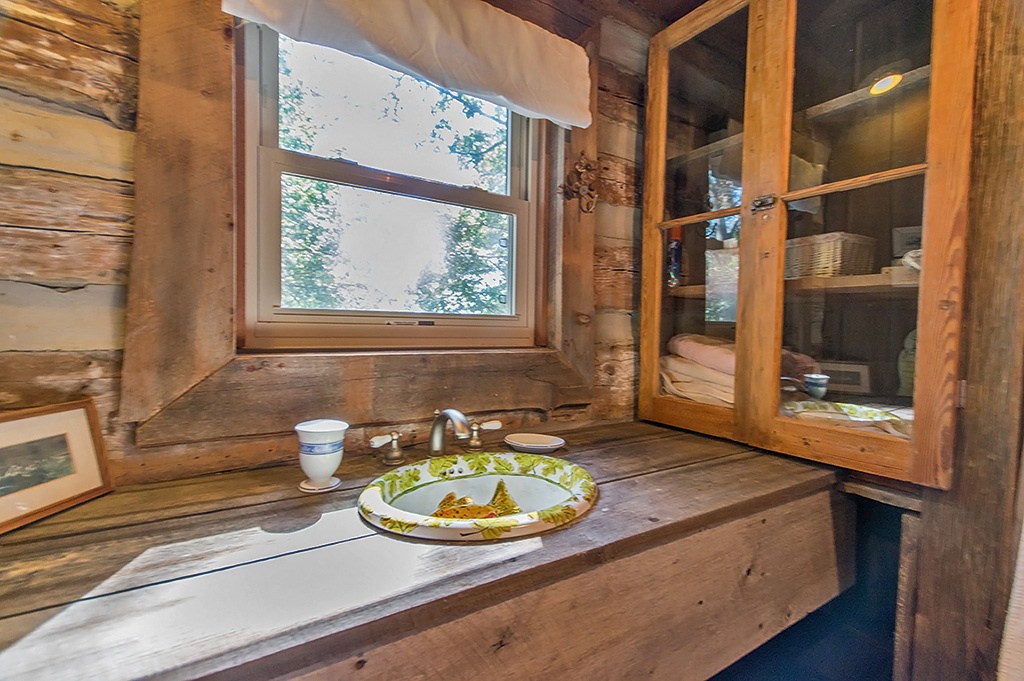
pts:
pixel 620 102
pixel 968 534
pixel 67 119
pixel 68 81
pixel 68 99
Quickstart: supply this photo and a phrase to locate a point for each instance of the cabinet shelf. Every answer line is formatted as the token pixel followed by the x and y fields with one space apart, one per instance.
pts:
pixel 691 291
pixel 896 282
pixel 825 112
pixel 891 282
pixel 708 149
pixel 850 102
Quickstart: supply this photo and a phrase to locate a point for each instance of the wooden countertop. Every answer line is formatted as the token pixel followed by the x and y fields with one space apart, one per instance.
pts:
pixel 241 575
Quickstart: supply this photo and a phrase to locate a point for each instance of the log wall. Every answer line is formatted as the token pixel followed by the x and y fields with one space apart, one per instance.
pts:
pixel 622 65
pixel 68 84
pixel 68 102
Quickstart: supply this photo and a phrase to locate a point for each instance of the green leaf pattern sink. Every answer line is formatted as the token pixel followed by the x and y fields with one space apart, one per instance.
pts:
pixel 551 492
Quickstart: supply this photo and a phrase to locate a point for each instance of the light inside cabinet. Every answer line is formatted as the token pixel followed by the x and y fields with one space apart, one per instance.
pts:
pixel 886 83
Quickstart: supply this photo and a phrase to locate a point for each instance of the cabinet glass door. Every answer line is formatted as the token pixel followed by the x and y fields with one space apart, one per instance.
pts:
pixel 856 216
pixel 861 80
pixel 806 173
pixel 704 140
pixel 695 223
pixel 851 308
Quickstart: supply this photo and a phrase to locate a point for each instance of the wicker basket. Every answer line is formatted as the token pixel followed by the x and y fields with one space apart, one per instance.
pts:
pixel 835 254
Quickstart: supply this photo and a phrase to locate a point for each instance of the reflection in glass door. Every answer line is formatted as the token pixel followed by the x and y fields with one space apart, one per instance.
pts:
pixel 850 310
pixel 701 223
pixel 855 214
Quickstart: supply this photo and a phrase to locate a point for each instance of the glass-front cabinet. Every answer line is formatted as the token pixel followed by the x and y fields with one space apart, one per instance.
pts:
pixel 805 228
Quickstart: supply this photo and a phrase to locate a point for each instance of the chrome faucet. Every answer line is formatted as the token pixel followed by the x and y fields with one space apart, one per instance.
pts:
pixel 459 424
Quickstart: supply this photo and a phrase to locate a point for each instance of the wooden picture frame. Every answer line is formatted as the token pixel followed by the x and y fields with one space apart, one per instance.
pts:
pixel 853 378
pixel 51 458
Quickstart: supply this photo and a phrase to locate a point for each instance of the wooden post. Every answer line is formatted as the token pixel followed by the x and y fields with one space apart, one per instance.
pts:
pixel 968 533
pixel 180 328
pixel 577 244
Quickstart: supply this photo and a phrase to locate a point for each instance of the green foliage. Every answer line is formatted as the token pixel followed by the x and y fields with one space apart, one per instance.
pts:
pixel 527 462
pixel 396 525
pixel 310 224
pixel 476 272
pixel 441 464
pixel 573 476
pixel 478 463
pixel 589 490
pixel 309 244
pixel 723 193
pixel 476 267
pixel 552 466
pixel 295 130
pixel 484 152
pixel 503 466
pixel 15 477
pixel 394 482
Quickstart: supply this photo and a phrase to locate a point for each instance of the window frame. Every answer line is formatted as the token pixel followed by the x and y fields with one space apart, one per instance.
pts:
pixel 266 326
pixel 184 380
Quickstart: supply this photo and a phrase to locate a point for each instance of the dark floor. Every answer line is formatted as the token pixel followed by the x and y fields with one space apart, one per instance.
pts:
pixel 851 637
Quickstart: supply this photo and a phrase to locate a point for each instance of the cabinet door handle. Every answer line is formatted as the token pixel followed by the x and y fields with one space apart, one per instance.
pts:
pixel 761 203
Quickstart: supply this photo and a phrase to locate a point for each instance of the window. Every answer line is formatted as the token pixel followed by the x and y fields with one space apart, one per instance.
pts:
pixel 184 379
pixel 382 210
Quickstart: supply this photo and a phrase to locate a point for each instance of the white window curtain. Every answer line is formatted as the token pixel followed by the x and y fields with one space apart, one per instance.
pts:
pixel 464 45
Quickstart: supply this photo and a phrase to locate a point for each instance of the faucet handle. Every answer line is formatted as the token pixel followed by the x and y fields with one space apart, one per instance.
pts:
pixel 393 456
pixel 380 441
pixel 475 443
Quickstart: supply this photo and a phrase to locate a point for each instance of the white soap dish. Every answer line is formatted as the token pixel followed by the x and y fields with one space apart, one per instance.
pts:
pixel 534 443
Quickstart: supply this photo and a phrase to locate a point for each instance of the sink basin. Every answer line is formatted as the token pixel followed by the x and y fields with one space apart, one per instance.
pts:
pixel 548 492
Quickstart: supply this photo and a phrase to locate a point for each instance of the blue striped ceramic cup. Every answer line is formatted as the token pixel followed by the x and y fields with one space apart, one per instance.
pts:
pixel 816 385
pixel 321 436
pixel 321 446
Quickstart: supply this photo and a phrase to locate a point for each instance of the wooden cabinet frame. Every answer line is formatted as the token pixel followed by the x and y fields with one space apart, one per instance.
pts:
pixel 184 381
pixel 927 458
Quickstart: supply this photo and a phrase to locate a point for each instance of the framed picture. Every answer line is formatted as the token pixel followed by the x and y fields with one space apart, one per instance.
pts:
pixel 905 239
pixel 51 458
pixel 847 377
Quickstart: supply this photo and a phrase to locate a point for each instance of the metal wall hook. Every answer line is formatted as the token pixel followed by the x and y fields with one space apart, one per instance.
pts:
pixel 579 183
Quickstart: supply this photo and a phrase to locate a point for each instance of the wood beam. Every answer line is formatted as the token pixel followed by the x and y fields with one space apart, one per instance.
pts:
pixel 94 72
pixel 968 533
pixel 571 19
pixel 180 329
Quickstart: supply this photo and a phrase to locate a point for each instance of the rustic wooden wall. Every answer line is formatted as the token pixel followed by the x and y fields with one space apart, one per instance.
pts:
pixel 68 81
pixel 968 534
pixel 67 120
pixel 68 100
pixel 622 71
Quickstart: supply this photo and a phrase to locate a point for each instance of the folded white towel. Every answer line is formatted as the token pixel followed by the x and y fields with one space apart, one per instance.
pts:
pixel 685 378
